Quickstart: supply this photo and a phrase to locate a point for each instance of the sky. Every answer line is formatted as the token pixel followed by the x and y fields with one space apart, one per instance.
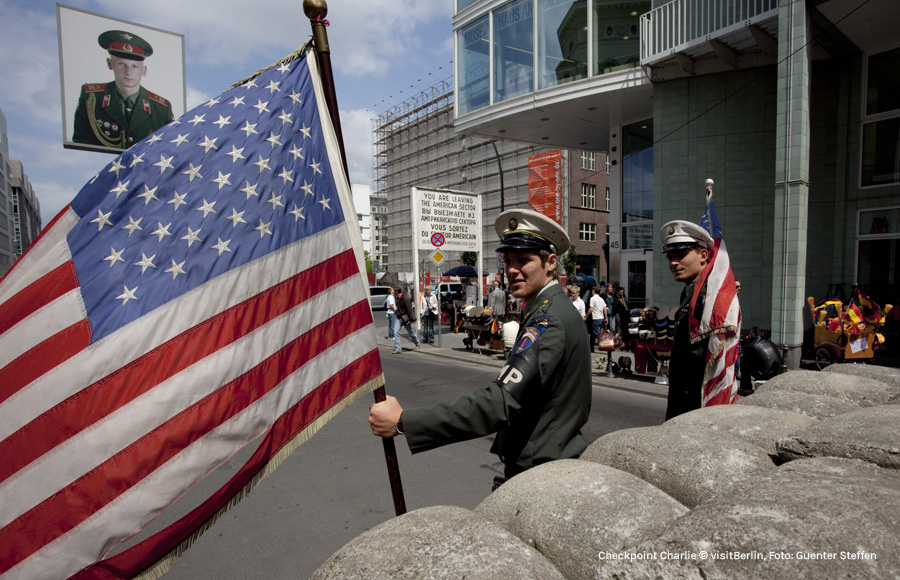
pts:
pixel 382 54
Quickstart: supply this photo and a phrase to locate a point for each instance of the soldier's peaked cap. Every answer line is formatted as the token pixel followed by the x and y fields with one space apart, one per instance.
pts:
pixel 523 229
pixel 125 45
pixel 680 234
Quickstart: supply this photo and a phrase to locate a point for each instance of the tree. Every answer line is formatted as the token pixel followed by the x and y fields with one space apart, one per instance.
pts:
pixel 570 261
pixel 469 258
pixel 368 258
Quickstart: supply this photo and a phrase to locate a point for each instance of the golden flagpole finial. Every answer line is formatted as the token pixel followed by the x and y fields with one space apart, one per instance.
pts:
pixel 315 9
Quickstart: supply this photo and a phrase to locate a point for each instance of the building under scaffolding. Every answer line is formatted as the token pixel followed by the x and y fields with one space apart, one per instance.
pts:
pixel 415 146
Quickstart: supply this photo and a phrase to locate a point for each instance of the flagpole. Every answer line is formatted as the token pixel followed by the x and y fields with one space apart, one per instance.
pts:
pixel 316 10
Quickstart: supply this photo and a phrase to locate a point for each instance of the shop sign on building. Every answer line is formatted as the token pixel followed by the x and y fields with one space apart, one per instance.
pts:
pixel 545 184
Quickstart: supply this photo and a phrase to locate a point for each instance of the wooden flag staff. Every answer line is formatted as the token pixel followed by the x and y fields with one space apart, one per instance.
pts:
pixel 316 10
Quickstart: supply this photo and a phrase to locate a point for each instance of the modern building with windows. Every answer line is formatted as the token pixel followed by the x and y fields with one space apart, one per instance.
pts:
pixel 789 105
pixel 20 210
pixel 7 219
pixel 26 209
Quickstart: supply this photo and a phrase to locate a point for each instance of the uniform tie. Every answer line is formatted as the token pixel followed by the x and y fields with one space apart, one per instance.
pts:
pixel 128 104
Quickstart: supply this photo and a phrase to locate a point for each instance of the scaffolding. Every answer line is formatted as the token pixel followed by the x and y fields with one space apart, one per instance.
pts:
pixel 415 146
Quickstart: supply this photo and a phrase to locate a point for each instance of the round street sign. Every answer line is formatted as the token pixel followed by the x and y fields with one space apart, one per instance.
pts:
pixel 437 239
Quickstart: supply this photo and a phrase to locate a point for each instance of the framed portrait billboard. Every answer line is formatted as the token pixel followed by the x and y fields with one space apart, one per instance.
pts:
pixel 120 81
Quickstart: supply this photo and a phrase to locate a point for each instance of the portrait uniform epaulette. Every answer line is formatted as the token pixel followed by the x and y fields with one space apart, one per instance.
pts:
pixel 94 87
pixel 158 99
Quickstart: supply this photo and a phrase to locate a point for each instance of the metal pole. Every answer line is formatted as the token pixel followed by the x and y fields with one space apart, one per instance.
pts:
pixel 316 10
pixel 502 201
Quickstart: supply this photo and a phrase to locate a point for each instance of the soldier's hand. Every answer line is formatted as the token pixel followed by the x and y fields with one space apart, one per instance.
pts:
pixel 383 417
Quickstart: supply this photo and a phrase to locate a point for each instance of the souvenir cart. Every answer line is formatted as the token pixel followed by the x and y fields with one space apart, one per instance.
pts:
pixel 654 343
pixel 482 329
pixel 652 337
pixel 846 332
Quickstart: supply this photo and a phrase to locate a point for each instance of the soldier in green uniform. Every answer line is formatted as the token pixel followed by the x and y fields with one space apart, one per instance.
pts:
pixel 120 113
pixel 539 402
pixel 687 249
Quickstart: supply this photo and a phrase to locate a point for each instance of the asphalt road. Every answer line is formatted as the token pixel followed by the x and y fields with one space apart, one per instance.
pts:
pixel 335 486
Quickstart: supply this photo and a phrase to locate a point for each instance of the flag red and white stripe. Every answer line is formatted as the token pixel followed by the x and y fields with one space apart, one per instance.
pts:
pixel 122 387
pixel 720 320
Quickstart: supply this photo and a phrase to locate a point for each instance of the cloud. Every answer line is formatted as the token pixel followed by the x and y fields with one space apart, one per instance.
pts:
pixel 369 34
pixel 53 196
pixel 196 97
pixel 356 125
pixel 30 75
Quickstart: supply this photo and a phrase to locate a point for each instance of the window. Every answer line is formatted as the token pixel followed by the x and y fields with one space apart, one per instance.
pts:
pixel 587 232
pixel 881 120
pixel 616 39
pixel 637 185
pixel 607 199
pixel 588 193
pixel 878 254
pixel 513 50
pixel 473 64
pixel 561 42
pixel 588 161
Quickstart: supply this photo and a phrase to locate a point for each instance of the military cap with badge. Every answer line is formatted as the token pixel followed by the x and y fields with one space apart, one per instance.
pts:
pixel 124 45
pixel 681 234
pixel 524 229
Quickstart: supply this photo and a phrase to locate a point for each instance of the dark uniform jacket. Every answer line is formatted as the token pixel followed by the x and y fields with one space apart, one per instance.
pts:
pixel 688 361
pixel 537 404
pixel 101 119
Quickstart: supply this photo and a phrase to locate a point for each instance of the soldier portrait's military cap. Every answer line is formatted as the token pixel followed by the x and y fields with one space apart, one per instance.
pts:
pixel 523 229
pixel 680 234
pixel 125 45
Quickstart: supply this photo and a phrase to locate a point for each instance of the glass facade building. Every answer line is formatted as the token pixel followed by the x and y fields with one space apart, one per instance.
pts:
pixel 524 46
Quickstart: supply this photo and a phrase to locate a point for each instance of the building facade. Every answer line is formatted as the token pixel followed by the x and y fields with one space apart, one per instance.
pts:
pixel 784 103
pixel 26 209
pixel 7 220
pixel 361 201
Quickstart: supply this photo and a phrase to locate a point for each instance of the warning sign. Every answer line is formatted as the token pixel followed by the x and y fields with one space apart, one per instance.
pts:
pixel 457 216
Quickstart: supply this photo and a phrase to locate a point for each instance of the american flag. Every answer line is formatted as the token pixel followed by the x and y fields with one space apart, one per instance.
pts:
pixel 202 291
pixel 720 320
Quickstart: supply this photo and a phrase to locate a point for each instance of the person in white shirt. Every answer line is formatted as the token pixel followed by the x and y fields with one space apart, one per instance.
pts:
pixel 599 312
pixel 509 331
pixel 391 312
pixel 574 292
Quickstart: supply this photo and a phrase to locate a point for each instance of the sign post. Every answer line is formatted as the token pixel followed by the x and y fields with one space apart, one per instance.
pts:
pixel 449 221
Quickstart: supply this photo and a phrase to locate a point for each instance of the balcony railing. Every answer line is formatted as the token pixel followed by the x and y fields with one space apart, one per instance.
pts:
pixel 680 24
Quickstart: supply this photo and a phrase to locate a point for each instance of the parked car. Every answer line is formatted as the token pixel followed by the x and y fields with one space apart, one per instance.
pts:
pixel 450 291
pixel 378 297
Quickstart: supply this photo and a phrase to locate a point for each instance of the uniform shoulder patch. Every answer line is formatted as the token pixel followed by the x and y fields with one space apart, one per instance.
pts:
pixel 158 99
pixel 94 87
pixel 532 332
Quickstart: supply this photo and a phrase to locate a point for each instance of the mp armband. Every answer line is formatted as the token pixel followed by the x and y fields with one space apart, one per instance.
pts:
pixel 521 377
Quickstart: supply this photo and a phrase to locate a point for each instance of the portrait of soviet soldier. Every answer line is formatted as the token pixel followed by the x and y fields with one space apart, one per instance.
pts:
pixel 120 113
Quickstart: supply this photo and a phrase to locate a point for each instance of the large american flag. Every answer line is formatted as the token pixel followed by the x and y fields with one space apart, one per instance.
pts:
pixel 202 291
pixel 720 320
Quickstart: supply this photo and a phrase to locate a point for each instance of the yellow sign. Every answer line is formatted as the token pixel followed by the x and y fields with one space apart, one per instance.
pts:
pixel 437 257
